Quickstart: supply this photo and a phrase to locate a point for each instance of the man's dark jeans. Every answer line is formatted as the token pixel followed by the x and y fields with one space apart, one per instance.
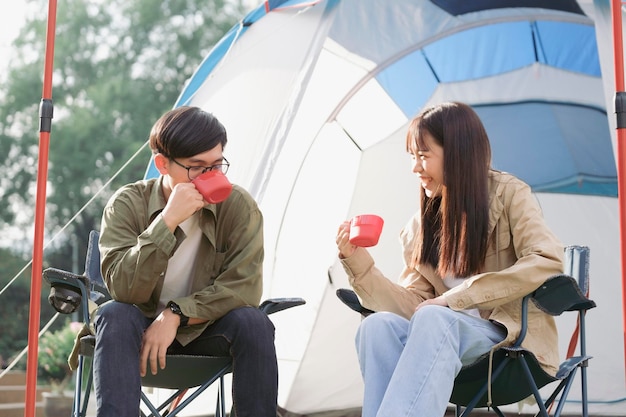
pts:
pixel 245 333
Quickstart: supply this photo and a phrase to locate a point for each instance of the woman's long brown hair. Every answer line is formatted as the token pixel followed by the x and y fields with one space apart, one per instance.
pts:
pixel 454 228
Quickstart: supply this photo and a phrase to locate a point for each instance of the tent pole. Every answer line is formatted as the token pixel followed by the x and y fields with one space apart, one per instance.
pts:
pixel 620 111
pixel 45 115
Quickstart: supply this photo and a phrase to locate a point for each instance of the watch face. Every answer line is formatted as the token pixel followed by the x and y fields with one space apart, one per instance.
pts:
pixel 175 308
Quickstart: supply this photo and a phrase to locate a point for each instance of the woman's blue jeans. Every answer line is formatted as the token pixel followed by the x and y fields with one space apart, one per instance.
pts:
pixel 245 333
pixel 409 367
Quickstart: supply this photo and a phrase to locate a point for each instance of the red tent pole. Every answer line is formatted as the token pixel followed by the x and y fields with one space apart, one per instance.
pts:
pixel 45 115
pixel 620 111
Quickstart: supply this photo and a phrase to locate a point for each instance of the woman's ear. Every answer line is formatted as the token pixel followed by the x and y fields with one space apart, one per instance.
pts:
pixel 161 162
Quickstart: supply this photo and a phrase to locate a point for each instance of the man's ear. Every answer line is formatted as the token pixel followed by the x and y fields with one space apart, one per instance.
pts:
pixel 161 163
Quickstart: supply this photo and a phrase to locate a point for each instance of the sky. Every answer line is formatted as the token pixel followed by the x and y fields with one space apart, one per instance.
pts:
pixel 11 20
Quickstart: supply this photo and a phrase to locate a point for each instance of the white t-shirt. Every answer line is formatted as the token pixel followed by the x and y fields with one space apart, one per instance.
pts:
pixel 181 265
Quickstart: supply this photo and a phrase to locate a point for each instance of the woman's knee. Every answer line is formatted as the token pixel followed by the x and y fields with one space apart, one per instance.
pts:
pixel 431 319
pixel 381 325
pixel 434 313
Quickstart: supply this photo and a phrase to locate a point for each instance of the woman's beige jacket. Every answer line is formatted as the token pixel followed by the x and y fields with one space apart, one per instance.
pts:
pixel 522 254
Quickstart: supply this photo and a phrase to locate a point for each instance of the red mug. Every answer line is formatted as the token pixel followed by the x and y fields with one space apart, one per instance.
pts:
pixel 213 185
pixel 365 230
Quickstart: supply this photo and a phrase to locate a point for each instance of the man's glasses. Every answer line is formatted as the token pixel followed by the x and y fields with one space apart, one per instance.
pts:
pixel 195 171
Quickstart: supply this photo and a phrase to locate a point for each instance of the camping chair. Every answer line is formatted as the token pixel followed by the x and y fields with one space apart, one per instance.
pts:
pixel 70 291
pixel 516 373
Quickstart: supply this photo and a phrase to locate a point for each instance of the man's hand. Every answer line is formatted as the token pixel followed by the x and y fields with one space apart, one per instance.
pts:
pixel 156 339
pixel 184 201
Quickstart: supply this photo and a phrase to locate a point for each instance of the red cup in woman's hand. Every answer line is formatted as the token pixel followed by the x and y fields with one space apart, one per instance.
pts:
pixel 214 186
pixel 365 230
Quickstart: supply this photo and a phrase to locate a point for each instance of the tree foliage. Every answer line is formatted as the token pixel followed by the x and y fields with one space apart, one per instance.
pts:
pixel 14 306
pixel 118 65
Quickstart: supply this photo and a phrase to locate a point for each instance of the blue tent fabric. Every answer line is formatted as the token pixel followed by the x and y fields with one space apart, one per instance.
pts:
pixel 589 167
pixel 579 52
pixel 419 60
pixel 412 78
pixel 459 7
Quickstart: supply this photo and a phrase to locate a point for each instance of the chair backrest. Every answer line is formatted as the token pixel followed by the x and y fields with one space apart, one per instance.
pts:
pixel 576 264
pixel 98 292
pixel 92 260
pixel 560 293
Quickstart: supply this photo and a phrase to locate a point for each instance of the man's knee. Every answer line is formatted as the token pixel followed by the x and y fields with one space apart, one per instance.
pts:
pixel 252 323
pixel 119 317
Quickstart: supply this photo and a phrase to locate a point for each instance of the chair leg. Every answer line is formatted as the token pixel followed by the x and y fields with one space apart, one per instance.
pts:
pixel 494 375
pixel 78 389
pixel 79 397
pixel 567 384
pixel 155 411
pixel 88 389
pixel 529 377
pixel 498 412
pixel 555 394
pixel 220 407
pixel 583 383
pixel 199 391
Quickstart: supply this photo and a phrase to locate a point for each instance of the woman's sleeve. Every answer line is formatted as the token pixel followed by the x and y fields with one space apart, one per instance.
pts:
pixel 379 293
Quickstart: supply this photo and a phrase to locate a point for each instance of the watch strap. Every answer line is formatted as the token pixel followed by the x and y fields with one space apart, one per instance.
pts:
pixel 175 308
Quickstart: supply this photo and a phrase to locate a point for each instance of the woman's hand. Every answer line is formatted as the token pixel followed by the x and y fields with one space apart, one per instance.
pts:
pixel 346 248
pixel 437 301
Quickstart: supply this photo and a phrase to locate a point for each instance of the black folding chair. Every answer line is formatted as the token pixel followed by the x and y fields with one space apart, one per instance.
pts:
pixel 70 291
pixel 516 373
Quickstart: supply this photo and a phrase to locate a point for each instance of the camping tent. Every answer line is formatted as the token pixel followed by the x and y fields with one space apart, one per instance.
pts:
pixel 316 97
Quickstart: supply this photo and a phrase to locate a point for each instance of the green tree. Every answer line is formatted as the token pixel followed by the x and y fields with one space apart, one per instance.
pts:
pixel 14 307
pixel 118 66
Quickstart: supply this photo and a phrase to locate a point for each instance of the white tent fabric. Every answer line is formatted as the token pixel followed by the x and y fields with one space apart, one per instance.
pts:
pixel 316 97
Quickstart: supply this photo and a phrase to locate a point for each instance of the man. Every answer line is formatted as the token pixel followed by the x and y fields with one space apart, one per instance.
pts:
pixel 185 275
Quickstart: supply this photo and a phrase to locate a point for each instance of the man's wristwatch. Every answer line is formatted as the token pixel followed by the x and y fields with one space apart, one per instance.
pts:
pixel 175 308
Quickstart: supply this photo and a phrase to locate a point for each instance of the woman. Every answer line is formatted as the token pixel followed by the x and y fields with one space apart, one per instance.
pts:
pixel 477 246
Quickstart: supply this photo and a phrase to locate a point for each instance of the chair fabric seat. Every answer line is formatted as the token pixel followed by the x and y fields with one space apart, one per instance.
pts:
pixel 508 388
pixel 181 371
pixel 188 371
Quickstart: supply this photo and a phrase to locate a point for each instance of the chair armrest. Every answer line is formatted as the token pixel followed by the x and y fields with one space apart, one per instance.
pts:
pixel 561 293
pixel 556 295
pixel 274 305
pixel 349 298
pixel 55 276
pixel 68 291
